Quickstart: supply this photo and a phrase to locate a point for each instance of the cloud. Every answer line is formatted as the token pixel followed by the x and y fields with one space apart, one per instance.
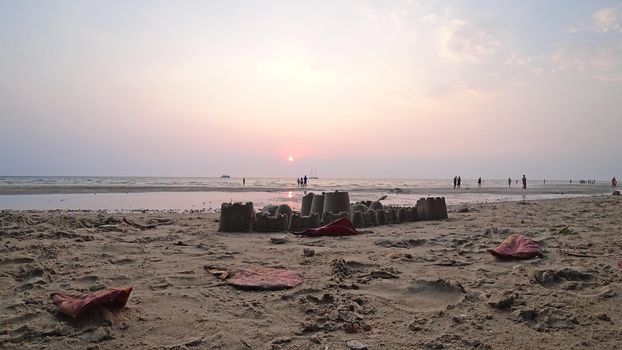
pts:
pixel 604 63
pixel 607 20
pixel 532 64
pixel 461 41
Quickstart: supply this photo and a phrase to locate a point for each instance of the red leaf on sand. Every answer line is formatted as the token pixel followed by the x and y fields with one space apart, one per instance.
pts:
pixel 264 279
pixel 517 247
pixel 77 305
pixel 339 227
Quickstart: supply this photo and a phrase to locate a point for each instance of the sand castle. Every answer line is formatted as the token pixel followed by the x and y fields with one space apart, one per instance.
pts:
pixel 321 209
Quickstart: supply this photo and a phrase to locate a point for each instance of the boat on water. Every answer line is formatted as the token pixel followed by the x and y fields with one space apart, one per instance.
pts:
pixel 313 175
pixel 225 176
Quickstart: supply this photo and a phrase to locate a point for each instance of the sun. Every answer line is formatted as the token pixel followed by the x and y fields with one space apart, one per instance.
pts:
pixel 291 159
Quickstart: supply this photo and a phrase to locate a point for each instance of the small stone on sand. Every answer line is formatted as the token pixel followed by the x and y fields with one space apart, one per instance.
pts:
pixel 279 240
pixel 355 345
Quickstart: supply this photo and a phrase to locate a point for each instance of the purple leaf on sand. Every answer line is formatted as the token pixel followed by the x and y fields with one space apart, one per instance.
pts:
pixel 78 305
pixel 517 247
pixel 339 227
pixel 264 279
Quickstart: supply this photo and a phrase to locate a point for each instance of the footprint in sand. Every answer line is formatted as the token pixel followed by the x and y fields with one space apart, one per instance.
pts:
pixel 17 260
pixel 123 261
pixel 418 295
pixel 578 283
pixel 564 277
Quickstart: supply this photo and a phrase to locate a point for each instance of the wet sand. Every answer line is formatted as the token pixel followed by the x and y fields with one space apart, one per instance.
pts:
pixel 420 285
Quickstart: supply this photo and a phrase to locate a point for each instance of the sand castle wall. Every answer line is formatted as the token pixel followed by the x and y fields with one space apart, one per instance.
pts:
pixel 269 223
pixel 329 217
pixel 302 222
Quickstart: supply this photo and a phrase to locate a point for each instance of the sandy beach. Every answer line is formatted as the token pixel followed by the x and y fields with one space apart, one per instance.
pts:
pixel 418 285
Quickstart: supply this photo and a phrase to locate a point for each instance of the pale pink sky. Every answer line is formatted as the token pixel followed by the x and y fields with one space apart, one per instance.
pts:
pixel 353 89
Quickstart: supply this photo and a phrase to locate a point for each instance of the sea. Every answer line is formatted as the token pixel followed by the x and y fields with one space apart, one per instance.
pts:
pixel 115 193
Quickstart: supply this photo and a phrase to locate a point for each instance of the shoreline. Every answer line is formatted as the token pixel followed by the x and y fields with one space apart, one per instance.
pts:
pixel 211 201
pixel 81 189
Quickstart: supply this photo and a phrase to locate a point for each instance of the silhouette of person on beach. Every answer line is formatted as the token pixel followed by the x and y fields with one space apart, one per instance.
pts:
pixel 509 181
pixel 305 181
pixel 614 182
pixel 298 181
pixel 544 182
pixel 243 181
pixel 455 181
pixel 479 182
pixel 524 182
pixel 459 181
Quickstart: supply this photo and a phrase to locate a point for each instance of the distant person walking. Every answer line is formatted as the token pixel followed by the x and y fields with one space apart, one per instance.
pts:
pixel 305 181
pixel 524 182
pixel 243 181
pixel 544 182
pixel 455 182
pixel 479 182
pixel 509 181
pixel 614 182
pixel 459 181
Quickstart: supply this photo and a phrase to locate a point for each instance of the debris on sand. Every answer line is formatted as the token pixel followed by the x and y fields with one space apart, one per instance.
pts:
pixel 339 227
pixel 517 246
pixel 75 306
pixel 258 278
pixel 402 243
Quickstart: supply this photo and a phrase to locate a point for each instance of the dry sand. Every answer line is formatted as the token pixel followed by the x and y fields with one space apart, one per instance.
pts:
pixel 449 292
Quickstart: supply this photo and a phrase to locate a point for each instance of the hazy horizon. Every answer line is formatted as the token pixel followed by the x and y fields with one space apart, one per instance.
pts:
pixel 397 89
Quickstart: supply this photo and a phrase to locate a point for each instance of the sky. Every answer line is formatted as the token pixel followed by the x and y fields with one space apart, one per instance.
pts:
pixel 400 89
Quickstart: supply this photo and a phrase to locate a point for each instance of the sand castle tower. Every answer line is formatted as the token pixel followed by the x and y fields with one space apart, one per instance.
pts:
pixel 432 208
pixel 317 204
pixel 236 217
pixel 336 202
pixel 307 201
